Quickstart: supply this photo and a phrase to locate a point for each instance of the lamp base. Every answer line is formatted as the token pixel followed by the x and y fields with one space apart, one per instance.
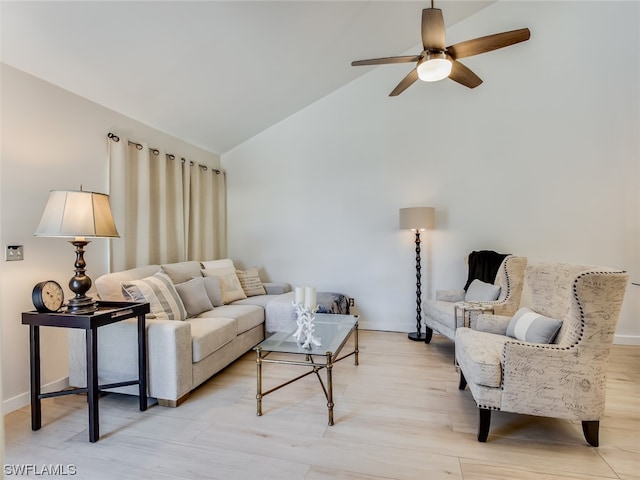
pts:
pixel 82 305
pixel 80 283
pixel 417 336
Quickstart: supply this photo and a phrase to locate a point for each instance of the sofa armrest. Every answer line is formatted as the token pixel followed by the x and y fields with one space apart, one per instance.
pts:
pixel 450 295
pixel 276 288
pixel 491 323
pixel 168 351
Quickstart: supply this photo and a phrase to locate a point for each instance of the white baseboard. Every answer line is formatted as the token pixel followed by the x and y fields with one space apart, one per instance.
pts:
pixel 626 340
pixel 405 327
pixel 24 399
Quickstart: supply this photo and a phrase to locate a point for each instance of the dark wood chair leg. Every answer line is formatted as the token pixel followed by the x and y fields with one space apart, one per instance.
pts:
pixel 591 431
pixel 428 334
pixel 483 426
pixel 463 381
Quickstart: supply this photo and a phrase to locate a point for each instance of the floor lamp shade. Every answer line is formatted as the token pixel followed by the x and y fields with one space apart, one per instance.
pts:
pixel 417 218
pixel 77 215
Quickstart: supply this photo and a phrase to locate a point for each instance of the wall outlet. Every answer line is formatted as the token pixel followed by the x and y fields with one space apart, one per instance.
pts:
pixel 352 302
pixel 14 252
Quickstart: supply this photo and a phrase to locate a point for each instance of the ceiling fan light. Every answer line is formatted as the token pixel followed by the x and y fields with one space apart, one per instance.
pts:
pixel 434 67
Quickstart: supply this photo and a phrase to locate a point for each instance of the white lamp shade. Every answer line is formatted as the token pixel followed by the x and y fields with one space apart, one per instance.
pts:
pixel 417 218
pixel 77 214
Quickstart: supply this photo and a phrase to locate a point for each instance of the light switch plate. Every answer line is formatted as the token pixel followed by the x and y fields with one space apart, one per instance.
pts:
pixel 13 253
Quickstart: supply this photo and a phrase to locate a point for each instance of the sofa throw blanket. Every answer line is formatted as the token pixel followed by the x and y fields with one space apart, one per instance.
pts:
pixel 484 266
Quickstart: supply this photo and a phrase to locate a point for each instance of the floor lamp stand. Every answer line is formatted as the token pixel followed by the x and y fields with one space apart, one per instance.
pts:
pixel 418 335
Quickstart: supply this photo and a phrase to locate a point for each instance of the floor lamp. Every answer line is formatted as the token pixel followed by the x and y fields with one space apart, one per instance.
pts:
pixel 417 219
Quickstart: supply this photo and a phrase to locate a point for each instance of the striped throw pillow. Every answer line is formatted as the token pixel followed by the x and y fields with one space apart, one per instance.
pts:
pixel 159 292
pixel 529 326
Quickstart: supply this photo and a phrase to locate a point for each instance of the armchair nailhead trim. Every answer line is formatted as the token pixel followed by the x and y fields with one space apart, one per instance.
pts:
pixel 575 294
pixel 507 275
pixel 496 302
pixel 552 346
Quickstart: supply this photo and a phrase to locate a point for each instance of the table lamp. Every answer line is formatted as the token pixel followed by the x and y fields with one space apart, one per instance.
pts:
pixel 417 219
pixel 78 214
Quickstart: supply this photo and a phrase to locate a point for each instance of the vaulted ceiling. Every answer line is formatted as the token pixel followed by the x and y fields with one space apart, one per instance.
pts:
pixel 213 73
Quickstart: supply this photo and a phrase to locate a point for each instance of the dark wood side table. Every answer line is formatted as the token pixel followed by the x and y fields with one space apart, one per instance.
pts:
pixel 107 313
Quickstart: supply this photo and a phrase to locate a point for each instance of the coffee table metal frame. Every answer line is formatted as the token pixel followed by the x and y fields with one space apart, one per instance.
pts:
pixel 284 343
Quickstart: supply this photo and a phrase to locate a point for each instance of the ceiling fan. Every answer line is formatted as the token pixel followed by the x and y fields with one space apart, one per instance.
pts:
pixel 437 62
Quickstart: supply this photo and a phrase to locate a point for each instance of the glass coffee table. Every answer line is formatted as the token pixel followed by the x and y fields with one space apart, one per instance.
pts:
pixel 333 331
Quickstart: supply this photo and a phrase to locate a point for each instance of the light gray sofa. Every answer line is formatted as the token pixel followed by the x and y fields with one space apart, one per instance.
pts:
pixel 181 354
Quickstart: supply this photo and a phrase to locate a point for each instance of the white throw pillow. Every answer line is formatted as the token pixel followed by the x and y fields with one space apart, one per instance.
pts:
pixel 480 291
pixel 250 282
pixel 159 292
pixel 229 283
pixel 529 326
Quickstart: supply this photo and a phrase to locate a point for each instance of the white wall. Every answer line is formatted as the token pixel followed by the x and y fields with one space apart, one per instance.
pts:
pixel 51 139
pixel 542 160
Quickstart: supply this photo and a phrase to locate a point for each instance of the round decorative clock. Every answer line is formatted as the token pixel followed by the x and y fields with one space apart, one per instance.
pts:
pixel 47 296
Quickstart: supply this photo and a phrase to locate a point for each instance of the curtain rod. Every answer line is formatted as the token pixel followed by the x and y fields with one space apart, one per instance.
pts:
pixel 156 152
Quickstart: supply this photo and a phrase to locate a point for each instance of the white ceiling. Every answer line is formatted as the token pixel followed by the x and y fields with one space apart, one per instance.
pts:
pixel 213 73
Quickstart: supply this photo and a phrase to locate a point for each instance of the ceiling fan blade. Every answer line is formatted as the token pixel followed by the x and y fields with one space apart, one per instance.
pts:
pixel 488 43
pixel 433 35
pixel 386 60
pixel 405 83
pixel 464 76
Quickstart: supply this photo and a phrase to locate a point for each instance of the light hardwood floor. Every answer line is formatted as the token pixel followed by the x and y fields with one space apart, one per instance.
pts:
pixel 398 415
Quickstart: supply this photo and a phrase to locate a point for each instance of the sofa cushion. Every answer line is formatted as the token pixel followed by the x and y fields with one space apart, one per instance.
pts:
pixel 159 291
pixel 225 262
pixel 258 300
pixel 276 288
pixel 182 271
pixel 480 291
pixel 229 283
pixel 529 326
pixel 246 316
pixel 212 286
pixel 479 354
pixel 250 282
pixel 194 296
pixel 109 286
pixel 208 334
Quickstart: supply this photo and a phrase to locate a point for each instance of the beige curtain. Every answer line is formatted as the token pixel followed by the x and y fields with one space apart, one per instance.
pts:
pixel 206 214
pixel 167 209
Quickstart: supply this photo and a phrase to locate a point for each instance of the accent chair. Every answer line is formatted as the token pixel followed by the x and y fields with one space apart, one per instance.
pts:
pixel 439 313
pixel 556 365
